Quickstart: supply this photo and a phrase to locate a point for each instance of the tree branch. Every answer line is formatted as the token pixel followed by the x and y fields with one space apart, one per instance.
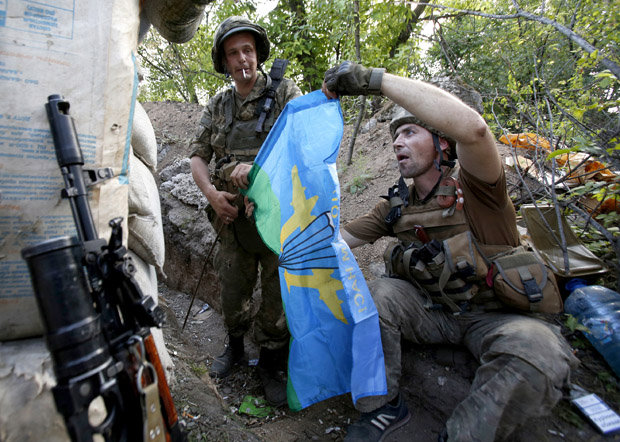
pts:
pixel 613 67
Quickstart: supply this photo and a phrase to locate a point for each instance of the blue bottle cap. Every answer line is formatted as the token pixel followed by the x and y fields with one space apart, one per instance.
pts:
pixel 574 284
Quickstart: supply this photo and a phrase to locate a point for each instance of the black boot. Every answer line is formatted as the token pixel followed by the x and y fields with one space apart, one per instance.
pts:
pixel 234 354
pixel 272 368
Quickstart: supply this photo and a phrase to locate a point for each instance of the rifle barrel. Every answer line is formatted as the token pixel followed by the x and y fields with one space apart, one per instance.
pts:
pixel 70 160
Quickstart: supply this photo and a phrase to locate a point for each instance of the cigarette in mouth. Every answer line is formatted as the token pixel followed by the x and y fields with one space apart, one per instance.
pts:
pixel 245 76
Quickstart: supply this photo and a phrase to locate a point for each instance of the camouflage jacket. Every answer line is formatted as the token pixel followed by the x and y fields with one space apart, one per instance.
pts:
pixel 228 121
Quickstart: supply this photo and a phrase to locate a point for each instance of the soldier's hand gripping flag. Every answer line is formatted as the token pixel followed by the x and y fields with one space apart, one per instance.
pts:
pixel 335 340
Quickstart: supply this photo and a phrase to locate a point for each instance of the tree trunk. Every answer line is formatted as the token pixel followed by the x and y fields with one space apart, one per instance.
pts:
pixel 299 22
pixel 360 116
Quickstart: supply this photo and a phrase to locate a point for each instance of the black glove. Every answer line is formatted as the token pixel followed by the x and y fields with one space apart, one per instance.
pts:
pixel 350 78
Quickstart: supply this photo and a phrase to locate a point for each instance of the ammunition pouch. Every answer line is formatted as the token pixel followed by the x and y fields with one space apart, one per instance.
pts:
pixel 524 282
pixel 446 271
pixel 457 273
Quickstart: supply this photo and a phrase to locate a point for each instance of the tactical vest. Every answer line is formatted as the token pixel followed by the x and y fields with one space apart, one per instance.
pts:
pixel 429 219
pixel 245 138
pixel 242 140
pixel 438 253
pixel 424 232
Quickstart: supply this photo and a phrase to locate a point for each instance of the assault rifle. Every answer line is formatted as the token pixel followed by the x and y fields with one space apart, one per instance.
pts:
pixel 97 320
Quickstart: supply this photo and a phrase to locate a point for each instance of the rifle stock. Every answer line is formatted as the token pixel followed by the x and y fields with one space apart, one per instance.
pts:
pixel 97 320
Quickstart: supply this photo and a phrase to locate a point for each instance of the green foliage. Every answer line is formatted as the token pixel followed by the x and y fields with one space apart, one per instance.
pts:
pixel 595 242
pixel 306 38
pixel 199 369
pixel 574 325
pixel 608 380
pixel 518 65
pixel 184 72
pixel 568 414
pixel 577 340
pixel 535 76
pixel 360 181
pixel 312 35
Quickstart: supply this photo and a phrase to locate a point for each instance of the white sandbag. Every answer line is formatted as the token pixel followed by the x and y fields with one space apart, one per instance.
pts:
pixel 146 234
pixel 143 139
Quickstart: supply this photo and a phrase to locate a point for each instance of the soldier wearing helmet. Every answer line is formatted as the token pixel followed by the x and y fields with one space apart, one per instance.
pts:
pixel 228 133
pixel 448 206
pixel 235 25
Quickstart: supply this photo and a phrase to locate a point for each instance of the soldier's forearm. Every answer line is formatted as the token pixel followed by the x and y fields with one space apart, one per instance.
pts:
pixel 352 241
pixel 200 173
pixel 435 107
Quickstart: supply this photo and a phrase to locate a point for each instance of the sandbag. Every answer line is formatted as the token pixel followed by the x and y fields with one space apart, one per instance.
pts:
pixel 84 52
pixel 146 277
pixel 146 234
pixel 143 139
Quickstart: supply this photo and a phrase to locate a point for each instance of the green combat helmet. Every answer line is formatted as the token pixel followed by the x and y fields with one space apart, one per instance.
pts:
pixel 231 26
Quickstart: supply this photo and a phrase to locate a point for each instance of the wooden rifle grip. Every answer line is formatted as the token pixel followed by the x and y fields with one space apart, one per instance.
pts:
pixel 162 384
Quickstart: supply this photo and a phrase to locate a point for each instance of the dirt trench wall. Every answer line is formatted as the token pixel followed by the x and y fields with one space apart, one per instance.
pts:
pixel 188 235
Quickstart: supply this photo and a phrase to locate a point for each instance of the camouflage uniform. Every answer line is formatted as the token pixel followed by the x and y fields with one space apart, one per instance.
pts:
pixel 228 127
pixel 524 362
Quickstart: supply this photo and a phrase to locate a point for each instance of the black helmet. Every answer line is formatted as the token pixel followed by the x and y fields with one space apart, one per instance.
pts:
pixel 456 87
pixel 231 26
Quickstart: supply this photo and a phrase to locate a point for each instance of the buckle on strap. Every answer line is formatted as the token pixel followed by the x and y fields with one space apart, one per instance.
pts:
pixel 278 68
pixel 532 291
pixel 276 73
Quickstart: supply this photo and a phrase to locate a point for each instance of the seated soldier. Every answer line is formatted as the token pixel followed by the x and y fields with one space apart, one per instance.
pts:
pixel 524 362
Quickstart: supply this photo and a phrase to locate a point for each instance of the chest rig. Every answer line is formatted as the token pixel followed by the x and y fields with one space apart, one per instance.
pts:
pixel 438 253
pixel 435 249
pixel 418 222
pixel 246 133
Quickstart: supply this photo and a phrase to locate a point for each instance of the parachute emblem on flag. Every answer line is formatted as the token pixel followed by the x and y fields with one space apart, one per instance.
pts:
pixel 310 248
pixel 307 247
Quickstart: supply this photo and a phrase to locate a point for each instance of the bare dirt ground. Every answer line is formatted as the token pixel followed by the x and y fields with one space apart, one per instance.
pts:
pixel 434 380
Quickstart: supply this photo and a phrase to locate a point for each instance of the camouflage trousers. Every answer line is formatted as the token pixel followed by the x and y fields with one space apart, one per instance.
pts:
pixel 524 362
pixel 237 263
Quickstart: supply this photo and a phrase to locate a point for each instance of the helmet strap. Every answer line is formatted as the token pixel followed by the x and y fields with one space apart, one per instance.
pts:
pixel 441 162
pixel 403 191
pixel 433 190
pixel 438 164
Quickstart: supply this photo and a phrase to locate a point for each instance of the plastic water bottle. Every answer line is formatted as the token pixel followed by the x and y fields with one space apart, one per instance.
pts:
pixel 598 309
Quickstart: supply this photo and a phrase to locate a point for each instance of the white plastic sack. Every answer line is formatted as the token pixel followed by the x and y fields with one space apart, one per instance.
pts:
pixel 143 139
pixel 146 234
pixel 26 399
pixel 84 51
